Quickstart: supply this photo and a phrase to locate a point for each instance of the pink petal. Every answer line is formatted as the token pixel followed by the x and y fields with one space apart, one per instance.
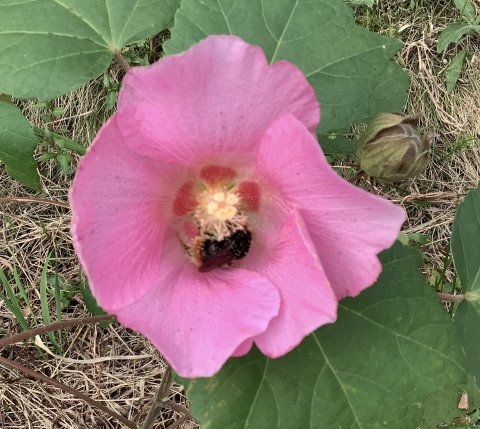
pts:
pixel 243 348
pixel 307 300
pixel 219 97
pixel 198 320
pixel 348 226
pixel 119 218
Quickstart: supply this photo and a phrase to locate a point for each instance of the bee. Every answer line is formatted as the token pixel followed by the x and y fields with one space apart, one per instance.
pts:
pixel 209 253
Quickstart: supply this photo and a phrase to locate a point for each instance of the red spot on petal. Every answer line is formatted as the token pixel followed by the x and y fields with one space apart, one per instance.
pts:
pixel 250 195
pixel 185 201
pixel 217 175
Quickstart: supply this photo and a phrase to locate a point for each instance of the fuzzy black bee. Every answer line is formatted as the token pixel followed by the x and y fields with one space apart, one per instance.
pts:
pixel 211 253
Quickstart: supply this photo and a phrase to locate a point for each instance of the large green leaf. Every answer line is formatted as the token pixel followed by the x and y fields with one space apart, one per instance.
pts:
pixel 347 65
pixel 17 143
pixel 49 47
pixel 390 361
pixel 466 254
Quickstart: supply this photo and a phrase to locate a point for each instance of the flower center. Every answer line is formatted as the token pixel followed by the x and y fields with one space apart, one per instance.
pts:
pixel 218 214
pixel 214 210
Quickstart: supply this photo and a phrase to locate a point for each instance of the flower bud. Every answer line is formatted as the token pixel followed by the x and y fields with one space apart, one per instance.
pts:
pixel 391 150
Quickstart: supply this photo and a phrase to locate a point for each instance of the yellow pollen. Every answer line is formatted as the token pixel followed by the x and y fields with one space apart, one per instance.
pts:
pixel 212 207
pixel 219 214
pixel 232 199
pixel 222 206
pixel 226 213
pixel 219 197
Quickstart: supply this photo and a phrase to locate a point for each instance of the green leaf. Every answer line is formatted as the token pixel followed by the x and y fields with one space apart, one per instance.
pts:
pixel 91 302
pixel 12 302
pixel 465 242
pixel 454 69
pixel 17 144
pixel 453 33
pixel 390 361
pixel 466 8
pixel 337 144
pixel 44 305
pixel 368 3
pixel 50 47
pixel 466 255
pixel 347 65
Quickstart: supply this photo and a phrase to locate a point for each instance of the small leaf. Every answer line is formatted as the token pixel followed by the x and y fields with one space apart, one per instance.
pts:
pixel 348 66
pixel 64 162
pixel 50 47
pixel 453 33
pixel 391 360
pixel 466 255
pixel 90 301
pixel 454 69
pixel 111 100
pixel 44 305
pixel 58 111
pixel 17 144
pixel 12 302
pixel 465 7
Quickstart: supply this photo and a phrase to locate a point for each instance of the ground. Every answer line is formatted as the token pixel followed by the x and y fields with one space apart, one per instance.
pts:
pixel 121 368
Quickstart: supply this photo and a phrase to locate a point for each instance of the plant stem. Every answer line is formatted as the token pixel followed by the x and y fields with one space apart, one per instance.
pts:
pixel 159 401
pixel 121 61
pixel 176 424
pixel 451 298
pixel 12 339
pixel 180 409
pixel 35 200
pixel 51 381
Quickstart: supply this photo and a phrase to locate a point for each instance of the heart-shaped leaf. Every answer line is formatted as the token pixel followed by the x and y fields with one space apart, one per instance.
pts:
pixel 50 47
pixel 348 66
pixel 17 143
pixel 390 361
pixel 466 255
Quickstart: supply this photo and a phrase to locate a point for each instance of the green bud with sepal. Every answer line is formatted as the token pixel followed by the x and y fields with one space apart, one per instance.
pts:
pixel 390 150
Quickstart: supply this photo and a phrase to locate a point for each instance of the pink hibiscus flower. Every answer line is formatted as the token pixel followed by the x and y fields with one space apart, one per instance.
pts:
pixel 206 216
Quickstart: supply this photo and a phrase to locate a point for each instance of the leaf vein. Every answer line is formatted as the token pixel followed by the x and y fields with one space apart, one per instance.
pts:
pixel 74 13
pixel 327 361
pixel 279 42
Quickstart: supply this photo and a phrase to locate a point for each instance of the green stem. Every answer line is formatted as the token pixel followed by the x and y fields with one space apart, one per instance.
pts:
pixel 121 60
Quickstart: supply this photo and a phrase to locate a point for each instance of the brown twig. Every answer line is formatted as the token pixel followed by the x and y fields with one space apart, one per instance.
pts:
pixel 35 200
pixel 180 409
pixel 51 381
pixel 159 401
pixel 64 324
pixel 176 424
pixel 122 61
pixel 450 298
pixel 433 196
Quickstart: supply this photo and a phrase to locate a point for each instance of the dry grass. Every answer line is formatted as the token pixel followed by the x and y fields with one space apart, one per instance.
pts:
pixel 29 232
pixel 431 199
